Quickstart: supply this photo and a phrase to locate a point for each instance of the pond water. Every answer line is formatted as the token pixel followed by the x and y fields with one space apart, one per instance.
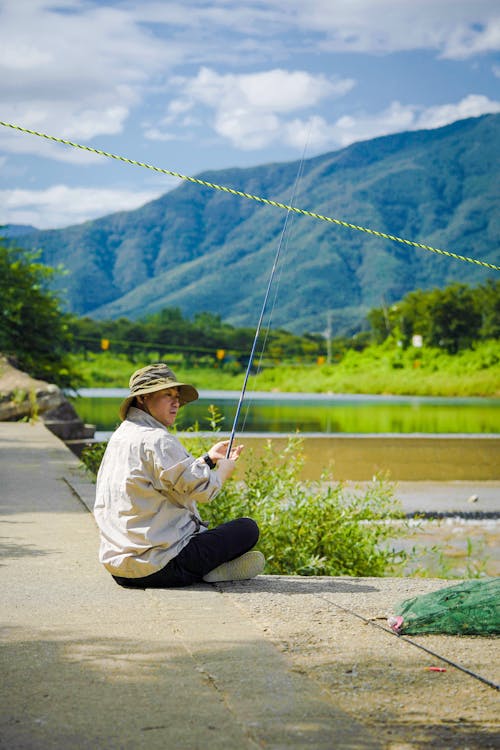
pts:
pixel 314 413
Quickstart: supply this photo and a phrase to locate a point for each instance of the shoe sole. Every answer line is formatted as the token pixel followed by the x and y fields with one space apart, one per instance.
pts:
pixel 242 568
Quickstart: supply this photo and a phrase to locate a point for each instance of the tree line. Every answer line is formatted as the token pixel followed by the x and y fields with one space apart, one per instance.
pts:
pixel 452 319
pixel 205 338
pixel 41 337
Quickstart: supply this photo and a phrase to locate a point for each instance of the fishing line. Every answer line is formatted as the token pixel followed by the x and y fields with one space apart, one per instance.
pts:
pixel 252 352
pixel 405 638
pixel 271 312
pixel 261 316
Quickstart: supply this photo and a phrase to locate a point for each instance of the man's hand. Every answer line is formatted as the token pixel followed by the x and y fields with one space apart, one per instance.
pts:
pixel 219 450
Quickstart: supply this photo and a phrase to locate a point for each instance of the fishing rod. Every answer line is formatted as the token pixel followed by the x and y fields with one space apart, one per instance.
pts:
pixel 262 311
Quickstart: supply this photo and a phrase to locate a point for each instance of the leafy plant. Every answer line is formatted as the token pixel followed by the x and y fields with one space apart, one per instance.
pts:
pixel 33 330
pixel 92 456
pixel 307 527
pixel 451 319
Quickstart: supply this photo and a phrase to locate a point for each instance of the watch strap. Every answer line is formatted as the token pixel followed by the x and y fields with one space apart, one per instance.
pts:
pixel 211 464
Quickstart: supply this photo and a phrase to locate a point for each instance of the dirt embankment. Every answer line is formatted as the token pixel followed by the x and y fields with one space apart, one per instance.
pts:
pixel 25 397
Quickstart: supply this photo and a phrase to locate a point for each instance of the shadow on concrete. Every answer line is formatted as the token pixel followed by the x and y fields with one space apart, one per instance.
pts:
pixel 89 694
pixel 60 693
pixel 57 503
pixel 10 550
pixel 404 716
pixel 298 585
pixel 455 735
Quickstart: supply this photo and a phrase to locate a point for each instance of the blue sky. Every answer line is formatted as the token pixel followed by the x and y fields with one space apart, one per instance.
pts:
pixel 194 85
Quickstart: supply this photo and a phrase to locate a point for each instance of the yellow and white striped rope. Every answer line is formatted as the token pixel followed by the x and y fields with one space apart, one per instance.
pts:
pixel 249 196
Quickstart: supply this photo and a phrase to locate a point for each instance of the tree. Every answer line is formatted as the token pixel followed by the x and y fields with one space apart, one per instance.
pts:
pixel 34 330
pixel 380 325
pixel 453 319
pixel 489 303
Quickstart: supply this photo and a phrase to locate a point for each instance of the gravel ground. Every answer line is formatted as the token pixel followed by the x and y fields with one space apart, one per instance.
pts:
pixel 377 677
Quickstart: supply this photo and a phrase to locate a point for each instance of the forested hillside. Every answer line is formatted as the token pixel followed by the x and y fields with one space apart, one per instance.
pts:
pixel 197 249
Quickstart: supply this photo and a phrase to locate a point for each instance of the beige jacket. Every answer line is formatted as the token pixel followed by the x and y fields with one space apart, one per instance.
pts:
pixel 147 489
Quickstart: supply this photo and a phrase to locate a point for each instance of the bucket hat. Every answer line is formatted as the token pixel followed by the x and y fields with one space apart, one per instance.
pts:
pixel 154 378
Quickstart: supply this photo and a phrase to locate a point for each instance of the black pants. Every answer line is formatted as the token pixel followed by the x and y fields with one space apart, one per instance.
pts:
pixel 203 553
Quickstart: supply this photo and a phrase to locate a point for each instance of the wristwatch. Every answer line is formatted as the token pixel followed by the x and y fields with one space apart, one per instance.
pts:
pixel 211 464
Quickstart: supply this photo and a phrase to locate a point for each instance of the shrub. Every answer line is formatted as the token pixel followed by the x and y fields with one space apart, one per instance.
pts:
pixel 307 528
pixel 92 457
pixel 310 528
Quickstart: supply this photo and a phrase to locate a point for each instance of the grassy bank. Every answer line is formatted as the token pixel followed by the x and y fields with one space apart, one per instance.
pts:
pixel 376 370
pixel 382 370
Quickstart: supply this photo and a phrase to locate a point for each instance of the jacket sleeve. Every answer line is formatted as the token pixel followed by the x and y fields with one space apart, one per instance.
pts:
pixel 180 476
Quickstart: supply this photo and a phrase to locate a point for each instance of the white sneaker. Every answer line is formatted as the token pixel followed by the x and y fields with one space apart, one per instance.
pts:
pixel 241 568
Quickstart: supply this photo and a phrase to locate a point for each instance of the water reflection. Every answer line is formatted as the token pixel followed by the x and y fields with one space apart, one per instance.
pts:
pixel 316 413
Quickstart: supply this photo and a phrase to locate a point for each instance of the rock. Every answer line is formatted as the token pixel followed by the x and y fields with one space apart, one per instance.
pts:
pixel 24 397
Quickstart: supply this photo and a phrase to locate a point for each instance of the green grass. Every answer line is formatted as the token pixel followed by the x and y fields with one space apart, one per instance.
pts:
pixel 108 370
pixel 377 370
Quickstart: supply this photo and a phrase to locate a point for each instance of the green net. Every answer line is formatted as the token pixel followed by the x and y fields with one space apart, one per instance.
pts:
pixel 469 608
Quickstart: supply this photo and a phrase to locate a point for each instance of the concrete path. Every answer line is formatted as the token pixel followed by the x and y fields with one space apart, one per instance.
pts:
pixel 277 662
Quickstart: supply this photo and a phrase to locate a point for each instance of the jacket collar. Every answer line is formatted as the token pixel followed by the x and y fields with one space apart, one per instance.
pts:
pixel 143 419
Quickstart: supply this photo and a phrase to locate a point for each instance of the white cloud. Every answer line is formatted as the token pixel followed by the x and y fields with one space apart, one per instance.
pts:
pixel 254 111
pixel 455 29
pixel 12 142
pixel 398 117
pixel 73 69
pixel 311 134
pixel 80 68
pixel 245 17
pixel 351 128
pixel 472 38
pixel 60 205
pixel 275 90
pixel 250 109
pixel 155 134
pixel 473 105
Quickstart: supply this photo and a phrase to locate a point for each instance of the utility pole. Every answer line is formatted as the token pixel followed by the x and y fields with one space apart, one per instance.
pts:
pixel 328 336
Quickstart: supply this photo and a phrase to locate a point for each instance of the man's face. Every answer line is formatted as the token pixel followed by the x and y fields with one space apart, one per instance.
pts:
pixel 163 405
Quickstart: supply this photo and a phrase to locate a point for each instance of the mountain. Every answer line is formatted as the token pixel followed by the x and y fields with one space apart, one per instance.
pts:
pixel 199 249
pixel 16 230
